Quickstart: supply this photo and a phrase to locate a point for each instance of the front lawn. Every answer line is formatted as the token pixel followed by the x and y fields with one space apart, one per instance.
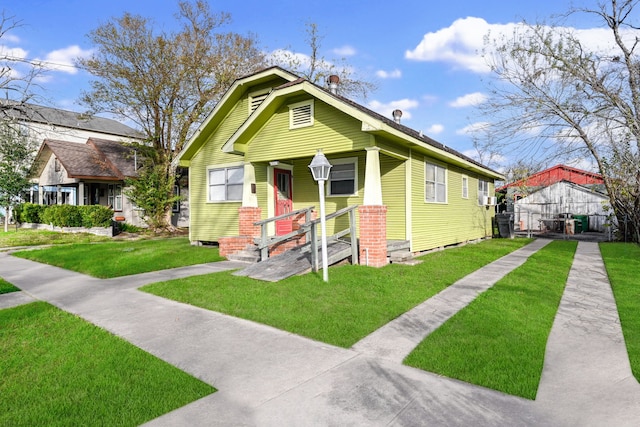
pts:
pixel 356 301
pixel 499 340
pixel 58 370
pixel 6 287
pixel 24 237
pixel 622 261
pixel 123 258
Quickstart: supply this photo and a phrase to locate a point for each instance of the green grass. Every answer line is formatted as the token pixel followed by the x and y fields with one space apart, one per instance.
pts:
pixel 6 287
pixel 122 258
pixel 356 301
pixel 58 370
pixel 499 340
pixel 23 237
pixel 622 261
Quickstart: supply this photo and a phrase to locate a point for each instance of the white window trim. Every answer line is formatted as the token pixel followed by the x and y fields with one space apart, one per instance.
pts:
pixel 257 94
pixel 344 161
pixel 446 183
pixel 222 166
pixel 482 195
pixel 465 188
pixel 293 107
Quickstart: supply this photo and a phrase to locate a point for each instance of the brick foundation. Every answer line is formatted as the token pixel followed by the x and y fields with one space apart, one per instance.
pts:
pixel 246 217
pixel 231 245
pixel 373 235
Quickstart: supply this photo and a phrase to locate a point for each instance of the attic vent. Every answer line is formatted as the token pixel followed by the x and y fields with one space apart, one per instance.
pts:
pixel 301 114
pixel 255 99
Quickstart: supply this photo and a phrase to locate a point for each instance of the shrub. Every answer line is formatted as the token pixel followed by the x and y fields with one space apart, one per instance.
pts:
pixel 95 216
pixel 29 212
pixel 62 216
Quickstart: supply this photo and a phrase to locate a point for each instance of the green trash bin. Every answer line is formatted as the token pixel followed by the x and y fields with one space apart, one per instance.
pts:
pixel 584 223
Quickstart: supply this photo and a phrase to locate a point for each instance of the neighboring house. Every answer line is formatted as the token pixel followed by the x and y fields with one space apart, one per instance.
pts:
pixel 249 161
pixel 93 173
pixel 76 138
pixel 69 173
pixel 52 123
pixel 538 210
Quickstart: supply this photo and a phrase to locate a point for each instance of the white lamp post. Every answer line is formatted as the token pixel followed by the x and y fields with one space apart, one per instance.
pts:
pixel 320 168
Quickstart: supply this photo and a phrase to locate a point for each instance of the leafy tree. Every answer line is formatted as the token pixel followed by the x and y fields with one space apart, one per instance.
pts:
pixel 16 156
pixel 165 83
pixel 554 95
pixel 317 69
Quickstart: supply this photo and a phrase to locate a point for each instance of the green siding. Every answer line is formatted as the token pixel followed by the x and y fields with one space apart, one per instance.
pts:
pixel 393 177
pixel 334 133
pixel 210 221
pixel 459 220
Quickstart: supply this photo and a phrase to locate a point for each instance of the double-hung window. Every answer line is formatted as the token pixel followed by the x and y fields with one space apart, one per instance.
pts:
pixel 483 192
pixel 114 196
pixel 343 179
pixel 225 184
pixel 435 183
pixel 465 187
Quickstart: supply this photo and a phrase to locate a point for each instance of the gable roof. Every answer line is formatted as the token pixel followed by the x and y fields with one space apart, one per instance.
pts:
pixel 67 119
pixel 372 122
pixel 564 183
pixel 555 174
pixel 97 159
pixel 228 101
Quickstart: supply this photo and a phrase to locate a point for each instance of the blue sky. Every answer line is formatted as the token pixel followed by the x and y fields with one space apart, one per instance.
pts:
pixel 421 54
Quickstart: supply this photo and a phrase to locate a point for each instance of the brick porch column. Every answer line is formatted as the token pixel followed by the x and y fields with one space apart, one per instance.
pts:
pixel 373 235
pixel 247 215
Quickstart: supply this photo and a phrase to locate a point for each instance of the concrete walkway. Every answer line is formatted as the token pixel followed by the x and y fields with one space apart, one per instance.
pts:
pixel 267 377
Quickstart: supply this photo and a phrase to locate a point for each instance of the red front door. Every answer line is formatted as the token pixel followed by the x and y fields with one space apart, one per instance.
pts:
pixel 284 204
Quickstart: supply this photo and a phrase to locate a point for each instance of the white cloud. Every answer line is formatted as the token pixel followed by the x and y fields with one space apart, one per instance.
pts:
pixel 15 53
pixel 435 129
pixel 461 44
pixel 393 74
pixel 469 100
pixel 345 51
pixel 405 105
pixel 63 59
pixel 473 128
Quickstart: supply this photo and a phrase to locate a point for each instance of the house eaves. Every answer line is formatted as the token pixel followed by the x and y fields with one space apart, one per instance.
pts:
pixel 225 106
pixel 371 122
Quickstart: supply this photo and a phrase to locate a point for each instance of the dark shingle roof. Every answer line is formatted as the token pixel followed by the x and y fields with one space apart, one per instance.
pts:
pixel 68 119
pixel 98 158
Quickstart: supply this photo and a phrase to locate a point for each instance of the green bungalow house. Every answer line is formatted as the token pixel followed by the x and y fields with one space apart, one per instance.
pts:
pixel 248 161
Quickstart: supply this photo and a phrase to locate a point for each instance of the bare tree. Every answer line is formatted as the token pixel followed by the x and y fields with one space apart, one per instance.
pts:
pixel 165 83
pixel 553 96
pixel 317 69
pixel 18 76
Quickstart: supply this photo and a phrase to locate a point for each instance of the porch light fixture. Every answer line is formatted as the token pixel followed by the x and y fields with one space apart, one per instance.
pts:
pixel 320 168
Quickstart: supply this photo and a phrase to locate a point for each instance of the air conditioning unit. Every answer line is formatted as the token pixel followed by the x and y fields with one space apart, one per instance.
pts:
pixel 489 201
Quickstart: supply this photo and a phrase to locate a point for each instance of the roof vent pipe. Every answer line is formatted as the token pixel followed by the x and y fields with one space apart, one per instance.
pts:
pixel 333 83
pixel 397 115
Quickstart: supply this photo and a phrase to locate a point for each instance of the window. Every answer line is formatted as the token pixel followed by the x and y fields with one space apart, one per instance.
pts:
pixel 56 165
pixel 465 187
pixel 114 196
pixel 343 178
pixel 301 114
pixel 483 191
pixel 225 184
pixel 436 183
pixel 256 98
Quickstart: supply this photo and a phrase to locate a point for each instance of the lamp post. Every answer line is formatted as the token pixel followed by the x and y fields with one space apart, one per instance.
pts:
pixel 320 168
